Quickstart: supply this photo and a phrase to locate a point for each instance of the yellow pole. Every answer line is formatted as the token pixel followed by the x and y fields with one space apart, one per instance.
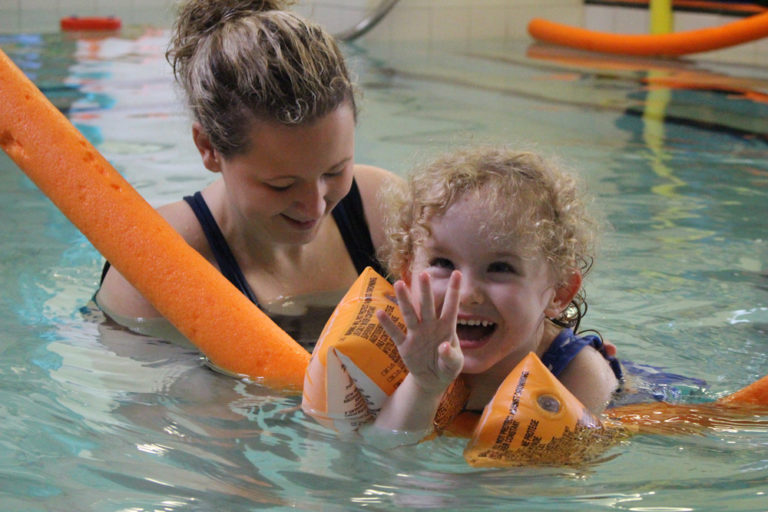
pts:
pixel 661 16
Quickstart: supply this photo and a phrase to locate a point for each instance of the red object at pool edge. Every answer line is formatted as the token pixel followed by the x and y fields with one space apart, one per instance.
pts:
pixel 91 23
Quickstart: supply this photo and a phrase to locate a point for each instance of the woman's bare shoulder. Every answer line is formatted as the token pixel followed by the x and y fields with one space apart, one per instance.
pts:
pixel 371 180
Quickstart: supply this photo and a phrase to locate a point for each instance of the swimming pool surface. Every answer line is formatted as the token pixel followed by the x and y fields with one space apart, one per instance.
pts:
pixel 676 152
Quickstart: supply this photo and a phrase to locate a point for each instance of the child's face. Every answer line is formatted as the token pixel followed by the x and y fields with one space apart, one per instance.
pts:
pixel 504 296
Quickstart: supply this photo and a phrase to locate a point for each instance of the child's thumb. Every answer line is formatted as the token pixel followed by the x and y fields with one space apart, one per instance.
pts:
pixel 451 358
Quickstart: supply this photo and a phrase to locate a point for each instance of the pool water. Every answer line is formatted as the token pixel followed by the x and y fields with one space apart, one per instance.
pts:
pixel 96 418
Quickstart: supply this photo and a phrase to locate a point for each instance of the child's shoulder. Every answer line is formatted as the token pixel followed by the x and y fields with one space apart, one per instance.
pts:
pixel 590 374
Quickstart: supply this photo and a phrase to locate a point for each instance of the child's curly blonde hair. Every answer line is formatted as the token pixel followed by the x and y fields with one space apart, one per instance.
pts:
pixel 524 196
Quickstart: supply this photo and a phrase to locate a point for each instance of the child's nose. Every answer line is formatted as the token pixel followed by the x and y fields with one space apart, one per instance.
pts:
pixel 471 291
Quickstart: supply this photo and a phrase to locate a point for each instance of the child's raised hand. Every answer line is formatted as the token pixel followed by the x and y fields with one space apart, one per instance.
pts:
pixel 430 347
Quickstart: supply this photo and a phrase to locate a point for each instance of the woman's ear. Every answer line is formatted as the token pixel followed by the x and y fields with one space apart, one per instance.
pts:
pixel 211 158
pixel 564 294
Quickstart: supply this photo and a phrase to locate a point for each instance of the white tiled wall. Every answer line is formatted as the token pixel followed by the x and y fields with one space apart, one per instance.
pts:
pixel 453 20
pixel 410 19
pixel 437 20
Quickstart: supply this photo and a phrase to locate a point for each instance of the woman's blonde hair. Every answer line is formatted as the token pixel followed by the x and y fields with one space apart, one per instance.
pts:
pixel 521 196
pixel 241 61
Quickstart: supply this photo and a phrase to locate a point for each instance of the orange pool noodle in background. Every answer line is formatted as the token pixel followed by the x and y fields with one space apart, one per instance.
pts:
pixel 182 285
pixel 672 44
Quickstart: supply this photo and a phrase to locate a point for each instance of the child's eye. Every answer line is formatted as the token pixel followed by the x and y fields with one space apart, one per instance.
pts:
pixel 443 263
pixel 501 267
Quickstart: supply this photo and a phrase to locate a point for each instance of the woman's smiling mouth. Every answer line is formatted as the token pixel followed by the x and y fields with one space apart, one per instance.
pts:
pixel 301 225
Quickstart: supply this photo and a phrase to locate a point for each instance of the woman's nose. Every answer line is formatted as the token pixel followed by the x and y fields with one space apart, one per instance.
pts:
pixel 311 200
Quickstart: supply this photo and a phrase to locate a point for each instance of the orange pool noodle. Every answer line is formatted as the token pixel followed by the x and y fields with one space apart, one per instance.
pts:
pixel 679 43
pixel 187 290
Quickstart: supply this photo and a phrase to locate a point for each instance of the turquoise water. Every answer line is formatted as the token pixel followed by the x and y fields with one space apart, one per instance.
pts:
pixel 99 419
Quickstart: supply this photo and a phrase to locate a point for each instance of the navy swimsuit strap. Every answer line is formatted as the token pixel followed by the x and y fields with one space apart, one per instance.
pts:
pixel 350 219
pixel 348 215
pixel 567 345
pixel 224 257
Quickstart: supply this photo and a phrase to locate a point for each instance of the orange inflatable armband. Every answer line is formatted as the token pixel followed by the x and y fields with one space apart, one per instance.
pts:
pixel 532 419
pixel 355 365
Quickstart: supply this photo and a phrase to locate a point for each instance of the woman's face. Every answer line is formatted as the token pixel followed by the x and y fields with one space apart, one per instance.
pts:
pixel 291 177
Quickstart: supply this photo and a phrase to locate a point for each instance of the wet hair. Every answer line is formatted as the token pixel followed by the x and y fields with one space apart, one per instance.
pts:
pixel 242 61
pixel 520 196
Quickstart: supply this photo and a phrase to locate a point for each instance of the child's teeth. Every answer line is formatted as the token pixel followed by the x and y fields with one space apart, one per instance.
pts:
pixel 484 323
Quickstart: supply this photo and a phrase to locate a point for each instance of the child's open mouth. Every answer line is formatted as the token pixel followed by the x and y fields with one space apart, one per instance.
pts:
pixel 473 332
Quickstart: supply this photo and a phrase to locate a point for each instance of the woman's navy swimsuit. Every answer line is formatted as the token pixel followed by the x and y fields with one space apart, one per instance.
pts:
pixel 567 345
pixel 348 215
pixel 350 219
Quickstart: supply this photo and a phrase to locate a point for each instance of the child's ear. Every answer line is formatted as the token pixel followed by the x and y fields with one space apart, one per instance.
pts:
pixel 564 294
pixel 211 157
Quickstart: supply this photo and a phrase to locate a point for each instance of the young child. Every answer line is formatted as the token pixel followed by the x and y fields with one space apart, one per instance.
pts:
pixel 490 246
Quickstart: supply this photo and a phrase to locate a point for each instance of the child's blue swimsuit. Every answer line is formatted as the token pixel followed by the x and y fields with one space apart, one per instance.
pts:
pixel 567 345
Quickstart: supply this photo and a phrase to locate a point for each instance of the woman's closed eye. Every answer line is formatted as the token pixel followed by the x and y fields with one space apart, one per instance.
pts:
pixel 280 185
pixel 334 174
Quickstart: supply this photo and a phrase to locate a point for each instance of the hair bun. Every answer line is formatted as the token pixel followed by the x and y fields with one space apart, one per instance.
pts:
pixel 195 19
pixel 201 16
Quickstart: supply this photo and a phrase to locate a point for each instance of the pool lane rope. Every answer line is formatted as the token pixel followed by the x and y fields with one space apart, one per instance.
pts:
pixel 673 44
pixel 182 285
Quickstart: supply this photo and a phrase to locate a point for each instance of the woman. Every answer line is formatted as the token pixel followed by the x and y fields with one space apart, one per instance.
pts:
pixel 291 220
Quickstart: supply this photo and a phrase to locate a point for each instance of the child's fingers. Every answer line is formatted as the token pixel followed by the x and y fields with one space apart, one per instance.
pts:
pixel 391 328
pixel 427 299
pixel 450 359
pixel 450 308
pixel 410 317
